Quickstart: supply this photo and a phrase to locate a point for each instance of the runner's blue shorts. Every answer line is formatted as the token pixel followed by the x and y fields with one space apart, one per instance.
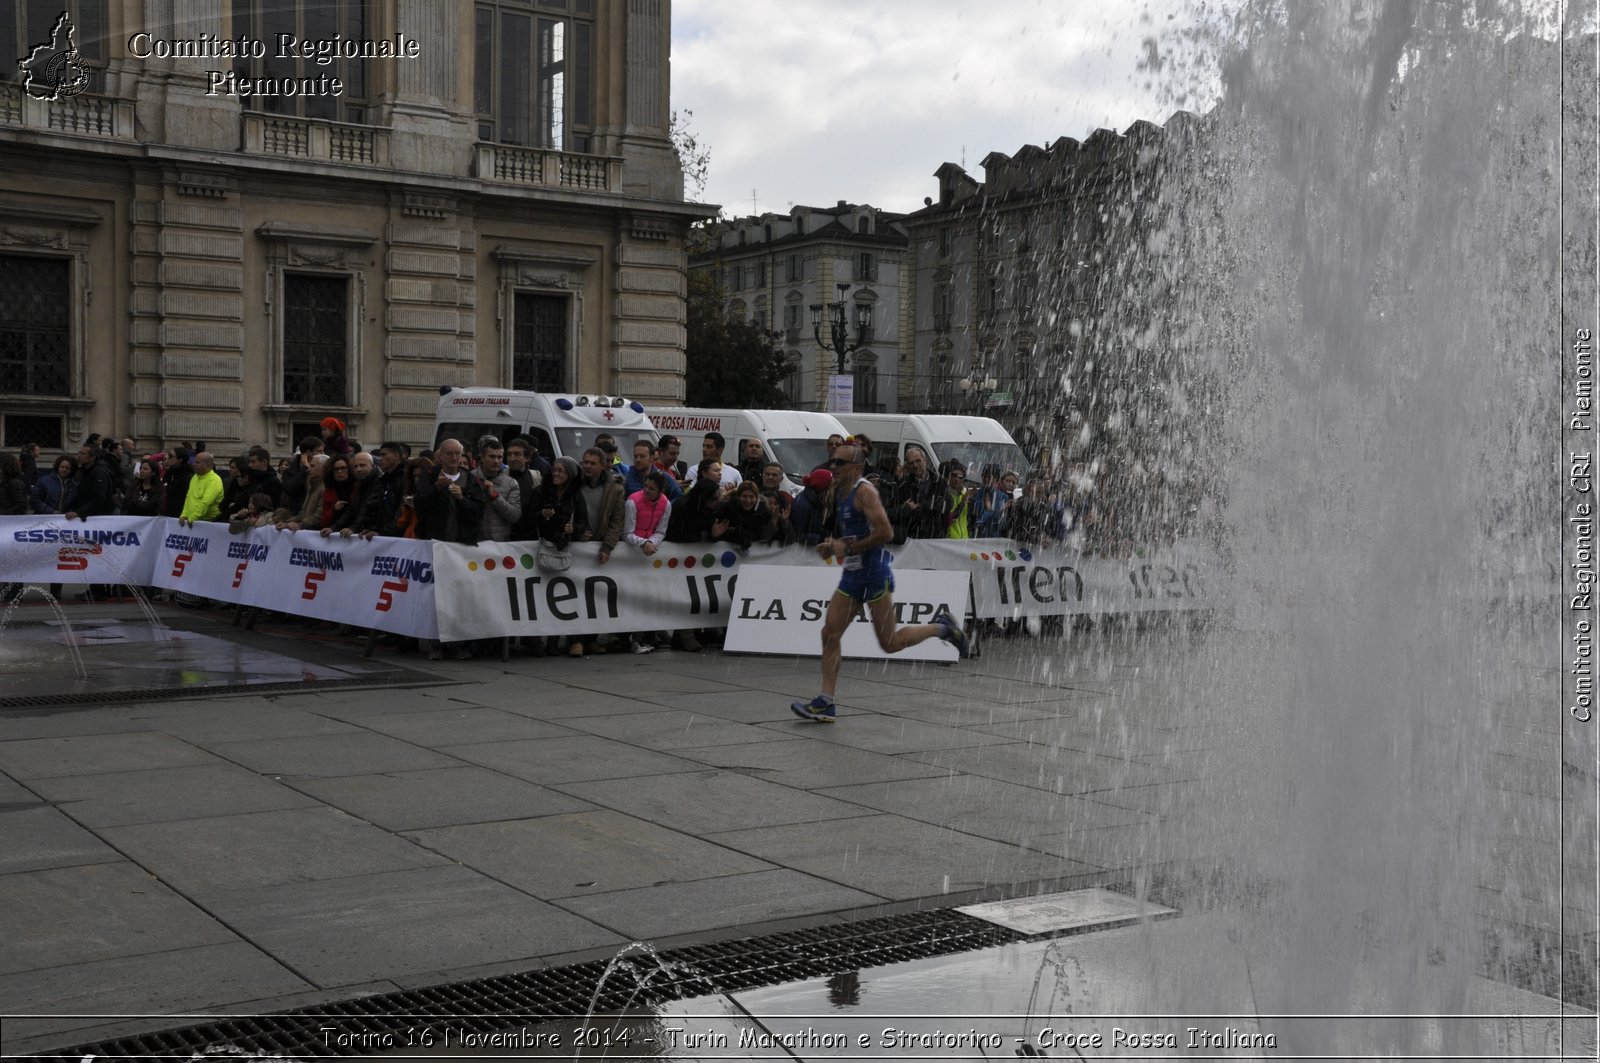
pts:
pixel 865 586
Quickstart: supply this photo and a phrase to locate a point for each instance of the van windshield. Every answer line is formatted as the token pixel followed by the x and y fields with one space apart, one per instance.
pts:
pixel 799 456
pixel 975 455
pixel 574 441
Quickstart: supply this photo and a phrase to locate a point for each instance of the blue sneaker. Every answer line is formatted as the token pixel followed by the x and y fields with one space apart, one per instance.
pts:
pixel 952 630
pixel 819 708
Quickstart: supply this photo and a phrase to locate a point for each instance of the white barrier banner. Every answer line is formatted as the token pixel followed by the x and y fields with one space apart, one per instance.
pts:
pixel 494 589
pixel 779 609
pixel 497 589
pixel 385 584
pixel 98 550
pixel 1011 581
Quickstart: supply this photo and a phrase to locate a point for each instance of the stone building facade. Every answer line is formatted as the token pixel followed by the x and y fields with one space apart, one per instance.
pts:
pixel 1024 286
pixel 182 262
pixel 775 267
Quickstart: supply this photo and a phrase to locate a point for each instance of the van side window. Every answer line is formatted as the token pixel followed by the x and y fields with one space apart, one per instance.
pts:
pixel 468 434
pixel 541 440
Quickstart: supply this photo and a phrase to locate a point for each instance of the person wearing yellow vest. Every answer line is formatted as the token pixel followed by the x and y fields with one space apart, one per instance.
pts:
pixel 958 503
pixel 204 500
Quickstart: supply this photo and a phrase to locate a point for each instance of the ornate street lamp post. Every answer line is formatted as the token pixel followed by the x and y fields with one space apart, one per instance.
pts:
pixel 838 339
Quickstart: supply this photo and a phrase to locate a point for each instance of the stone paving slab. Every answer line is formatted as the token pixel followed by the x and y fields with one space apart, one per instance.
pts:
pixel 229 721
pixel 1065 771
pixel 74 722
pixel 48 758
pixel 356 706
pixel 986 807
pixel 14 795
pixel 706 801
pixel 565 760
pixel 438 797
pixel 886 734
pixel 740 706
pixel 953 710
pixel 1112 735
pixel 117 799
pixel 568 702
pixel 348 930
pixel 673 729
pixel 360 752
pixel 201 856
pixel 65 916
pixel 685 907
pixel 616 679
pixel 810 765
pixel 929 860
pixel 172 981
pixel 584 853
pixel 451 726
pixel 37 839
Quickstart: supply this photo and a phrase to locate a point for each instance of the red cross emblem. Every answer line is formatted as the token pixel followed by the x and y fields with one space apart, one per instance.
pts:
pixel 610 416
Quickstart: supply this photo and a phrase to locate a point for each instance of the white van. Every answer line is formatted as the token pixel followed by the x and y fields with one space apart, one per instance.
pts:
pixel 976 442
pixel 797 440
pixel 559 425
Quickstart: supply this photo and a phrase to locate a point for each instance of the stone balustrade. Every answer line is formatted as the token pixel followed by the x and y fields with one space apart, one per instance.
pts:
pixel 101 117
pixel 307 138
pixel 551 169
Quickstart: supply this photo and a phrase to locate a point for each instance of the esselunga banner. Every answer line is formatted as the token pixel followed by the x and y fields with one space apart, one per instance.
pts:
pixel 494 589
pixel 386 583
pixel 46 550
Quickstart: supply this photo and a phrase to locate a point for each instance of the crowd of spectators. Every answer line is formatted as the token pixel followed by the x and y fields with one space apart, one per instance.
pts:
pixel 504 490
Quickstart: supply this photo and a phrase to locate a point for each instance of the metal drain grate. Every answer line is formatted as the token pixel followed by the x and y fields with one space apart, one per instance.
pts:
pixel 512 1001
pixel 103 697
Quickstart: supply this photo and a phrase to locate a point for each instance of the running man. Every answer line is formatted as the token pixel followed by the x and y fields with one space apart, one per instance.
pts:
pixel 864 530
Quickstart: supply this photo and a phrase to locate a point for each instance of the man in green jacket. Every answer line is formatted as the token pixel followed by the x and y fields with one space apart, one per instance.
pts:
pixel 204 501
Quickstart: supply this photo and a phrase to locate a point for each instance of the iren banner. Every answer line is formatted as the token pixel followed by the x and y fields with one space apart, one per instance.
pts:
pixel 1011 581
pixel 494 589
pixel 497 589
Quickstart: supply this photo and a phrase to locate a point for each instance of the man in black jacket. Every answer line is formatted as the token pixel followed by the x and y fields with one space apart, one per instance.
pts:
pixel 176 474
pixel 294 480
pixel 918 507
pixel 261 477
pixel 450 505
pixel 449 509
pixel 390 493
pixel 362 514
pixel 100 476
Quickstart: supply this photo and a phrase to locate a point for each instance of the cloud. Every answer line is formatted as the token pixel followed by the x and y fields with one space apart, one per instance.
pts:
pixel 812 101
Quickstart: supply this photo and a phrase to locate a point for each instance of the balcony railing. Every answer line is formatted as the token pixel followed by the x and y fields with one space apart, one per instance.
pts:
pixel 308 138
pixel 101 117
pixel 548 169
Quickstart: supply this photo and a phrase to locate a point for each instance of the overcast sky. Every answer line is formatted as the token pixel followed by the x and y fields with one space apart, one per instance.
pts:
pixel 814 101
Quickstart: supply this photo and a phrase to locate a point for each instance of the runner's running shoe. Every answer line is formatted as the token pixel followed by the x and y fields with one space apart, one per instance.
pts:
pixel 819 708
pixel 952 630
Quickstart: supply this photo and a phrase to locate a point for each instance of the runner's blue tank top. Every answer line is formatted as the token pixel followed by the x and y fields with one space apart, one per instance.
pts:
pixel 853 524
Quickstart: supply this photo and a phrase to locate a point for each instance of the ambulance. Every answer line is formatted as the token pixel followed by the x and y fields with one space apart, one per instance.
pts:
pixel 797 440
pixel 559 425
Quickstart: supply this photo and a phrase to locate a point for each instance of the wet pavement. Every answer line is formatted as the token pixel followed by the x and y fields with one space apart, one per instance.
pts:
pixel 251 852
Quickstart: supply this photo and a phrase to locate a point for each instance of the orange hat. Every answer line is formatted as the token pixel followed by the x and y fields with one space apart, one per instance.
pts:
pixel 333 423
